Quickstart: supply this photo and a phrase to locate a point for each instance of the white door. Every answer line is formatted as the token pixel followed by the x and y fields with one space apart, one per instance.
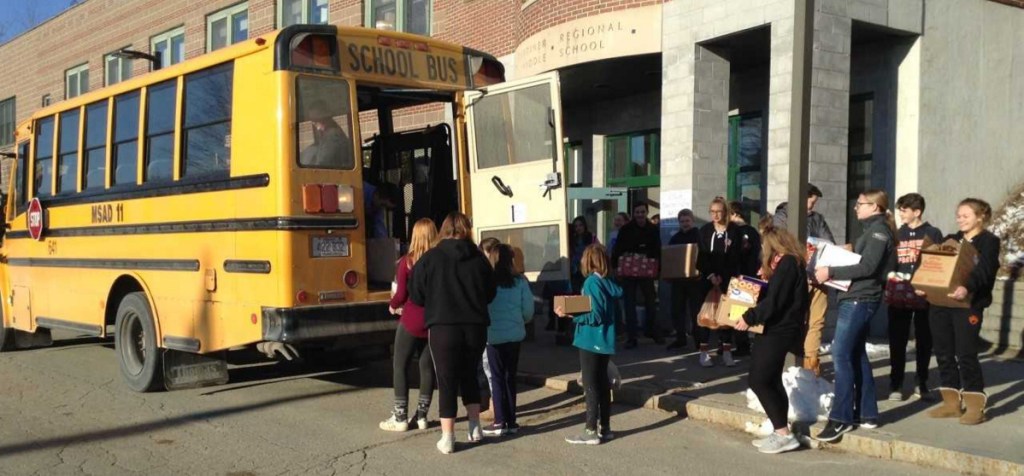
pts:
pixel 516 172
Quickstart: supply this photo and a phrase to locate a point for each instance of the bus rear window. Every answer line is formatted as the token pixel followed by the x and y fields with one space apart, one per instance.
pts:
pixel 323 124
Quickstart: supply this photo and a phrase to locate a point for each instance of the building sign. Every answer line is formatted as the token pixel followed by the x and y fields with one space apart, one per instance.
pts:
pixel 610 35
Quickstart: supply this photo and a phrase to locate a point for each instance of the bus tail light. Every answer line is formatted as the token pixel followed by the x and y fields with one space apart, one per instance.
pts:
pixel 314 51
pixel 329 198
pixel 346 199
pixel 486 70
pixel 311 198
pixel 351 278
pixel 302 296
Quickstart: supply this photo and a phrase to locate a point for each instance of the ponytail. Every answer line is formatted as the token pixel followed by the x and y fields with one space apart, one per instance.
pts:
pixel 891 222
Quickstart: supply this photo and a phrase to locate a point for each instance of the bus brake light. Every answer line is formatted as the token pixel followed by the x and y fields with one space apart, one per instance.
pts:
pixel 302 296
pixel 351 278
pixel 329 198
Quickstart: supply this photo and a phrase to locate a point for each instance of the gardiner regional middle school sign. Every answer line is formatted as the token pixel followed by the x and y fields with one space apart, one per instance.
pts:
pixel 35 220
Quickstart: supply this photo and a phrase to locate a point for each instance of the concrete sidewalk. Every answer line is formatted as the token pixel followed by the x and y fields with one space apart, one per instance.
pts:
pixel 675 382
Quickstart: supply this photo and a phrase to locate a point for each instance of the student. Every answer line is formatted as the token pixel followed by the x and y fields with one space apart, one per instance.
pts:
pixel 618 222
pixel 580 238
pixel 749 262
pixel 595 338
pixel 718 262
pixel 781 311
pixel 686 292
pixel 911 236
pixel 454 283
pixel 817 227
pixel 955 331
pixel 642 238
pixel 510 310
pixel 411 335
pixel 854 402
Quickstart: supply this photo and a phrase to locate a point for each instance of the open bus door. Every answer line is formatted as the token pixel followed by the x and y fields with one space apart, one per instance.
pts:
pixel 516 165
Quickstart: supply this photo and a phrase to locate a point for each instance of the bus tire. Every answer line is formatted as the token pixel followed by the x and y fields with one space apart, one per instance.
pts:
pixel 135 344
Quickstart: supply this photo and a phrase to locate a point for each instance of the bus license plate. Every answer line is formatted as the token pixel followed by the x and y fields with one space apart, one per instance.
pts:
pixel 330 246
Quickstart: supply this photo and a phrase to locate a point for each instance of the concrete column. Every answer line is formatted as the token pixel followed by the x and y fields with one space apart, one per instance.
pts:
pixel 677 98
pixel 908 129
pixel 711 127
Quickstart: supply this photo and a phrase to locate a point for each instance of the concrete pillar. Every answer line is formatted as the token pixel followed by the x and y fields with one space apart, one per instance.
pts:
pixel 711 127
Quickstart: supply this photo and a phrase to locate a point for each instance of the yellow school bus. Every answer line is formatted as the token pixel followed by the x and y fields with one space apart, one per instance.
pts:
pixel 228 200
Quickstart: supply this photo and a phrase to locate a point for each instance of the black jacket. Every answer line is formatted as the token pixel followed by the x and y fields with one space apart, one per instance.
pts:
pixel 817 227
pixel 983 277
pixel 633 238
pixel 877 250
pixel 750 249
pixel 782 306
pixel 723 262
pixel 908 251
pixel 453 282
pixel 685 237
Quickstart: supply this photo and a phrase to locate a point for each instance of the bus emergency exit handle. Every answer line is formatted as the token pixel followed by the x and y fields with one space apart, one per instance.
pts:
pixel 500 185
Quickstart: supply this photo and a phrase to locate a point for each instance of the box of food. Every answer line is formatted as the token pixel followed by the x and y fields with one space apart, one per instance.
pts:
pixel 742 294
pixel 679 261
pixel 637 266
pixel 945 267
pixel 573 304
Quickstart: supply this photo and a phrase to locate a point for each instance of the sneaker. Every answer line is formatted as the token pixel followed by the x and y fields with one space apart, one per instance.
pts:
pixel 512 428
pixel 869 424
pixel 727 359
pixel 833 430
pixel 677 344
pixel 825 349
pixel 421 420
pixel 588 437
pixel 895 396
pixel 495 429
pixel 759 442
pixel 446 445
pixel 630 344
pixel 776 443
pixel 394 423
pixel 606 434
pixel 705 360
pixel 475 435
pixel 923 393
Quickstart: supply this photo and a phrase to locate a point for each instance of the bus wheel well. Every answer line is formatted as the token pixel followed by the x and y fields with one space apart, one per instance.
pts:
pixel 123 286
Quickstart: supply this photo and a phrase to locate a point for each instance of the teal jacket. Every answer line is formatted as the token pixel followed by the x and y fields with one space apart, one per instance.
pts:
pixel 595 330
pixel 510 310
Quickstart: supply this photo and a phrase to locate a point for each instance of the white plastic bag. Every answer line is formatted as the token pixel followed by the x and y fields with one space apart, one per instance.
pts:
pixel 810 397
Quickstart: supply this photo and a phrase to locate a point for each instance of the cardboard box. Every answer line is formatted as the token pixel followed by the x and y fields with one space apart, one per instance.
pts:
pixel 637 266
pixel 573 304
pixel 679 261
pixel 943 268
pixel 381 256
pixel 742 294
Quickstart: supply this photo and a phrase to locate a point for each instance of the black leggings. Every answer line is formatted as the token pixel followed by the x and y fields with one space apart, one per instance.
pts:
pixel 597 389
pixel 767 361
pixel 955 335
pixel 457 351
pixel 406 347
pixel 900 321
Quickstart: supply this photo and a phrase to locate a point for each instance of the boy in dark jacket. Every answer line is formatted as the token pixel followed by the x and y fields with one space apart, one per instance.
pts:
pixel 639 237
pixel 686 292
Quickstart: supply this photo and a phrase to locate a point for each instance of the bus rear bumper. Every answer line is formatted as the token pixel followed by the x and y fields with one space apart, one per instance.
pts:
pixel 325 322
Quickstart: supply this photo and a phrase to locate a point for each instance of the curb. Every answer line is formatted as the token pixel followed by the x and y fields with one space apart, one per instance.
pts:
pixel 871 443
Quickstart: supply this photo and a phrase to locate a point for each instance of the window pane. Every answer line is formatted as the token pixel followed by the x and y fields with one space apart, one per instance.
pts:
pixel 96 125
pixel 207 151
pixel 72 86
pixel 514 128
pixel 68 132
pixel 539 246
pixel 160 158
pixel 20 185
pixel 112 71
pixel 618 155
pixel 177 49
pixel 126 68
pixel 218 33
pixel 126 161
pixel 239 27
pixel 416 14
pixel 324 134
pixel 126 116
pixel 43 178
pixel 208 95
pixel 83 81
pixel 7 121
pixel 95 165
pixel 160 113
pixel 67 172
pixel 291 12
pixel 160 51
pixel 318 12
pixel 385 15
pixel 44 138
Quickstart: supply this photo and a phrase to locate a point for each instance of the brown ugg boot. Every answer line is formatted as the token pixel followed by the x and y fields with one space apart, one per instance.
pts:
pixel 975 403
pixel 950 406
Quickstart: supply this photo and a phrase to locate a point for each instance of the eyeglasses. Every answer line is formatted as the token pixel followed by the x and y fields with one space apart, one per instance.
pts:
pixel 862 203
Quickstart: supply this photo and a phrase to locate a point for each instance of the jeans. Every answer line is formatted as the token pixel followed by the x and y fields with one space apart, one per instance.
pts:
pixel 955 333
pixel 597 389
pixel 629 288
pixel 855 385
pixel 900 321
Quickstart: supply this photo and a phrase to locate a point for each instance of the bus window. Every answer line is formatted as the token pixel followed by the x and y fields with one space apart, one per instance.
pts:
pixel 67 160
pixel 207 130
pixel 95 146
pixel 20 186
pixel 323 125
pixel 126 138
pixel 159 158
pixel 43 176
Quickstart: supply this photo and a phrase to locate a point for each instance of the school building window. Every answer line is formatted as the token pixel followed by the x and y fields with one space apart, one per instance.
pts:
pixel 76 81
pixel 116 68
pixel 410 16
pixel 632 160
pixel 169 47
pixel 7 121
pixel 46 100
pixel 227 27
pixel 295 12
